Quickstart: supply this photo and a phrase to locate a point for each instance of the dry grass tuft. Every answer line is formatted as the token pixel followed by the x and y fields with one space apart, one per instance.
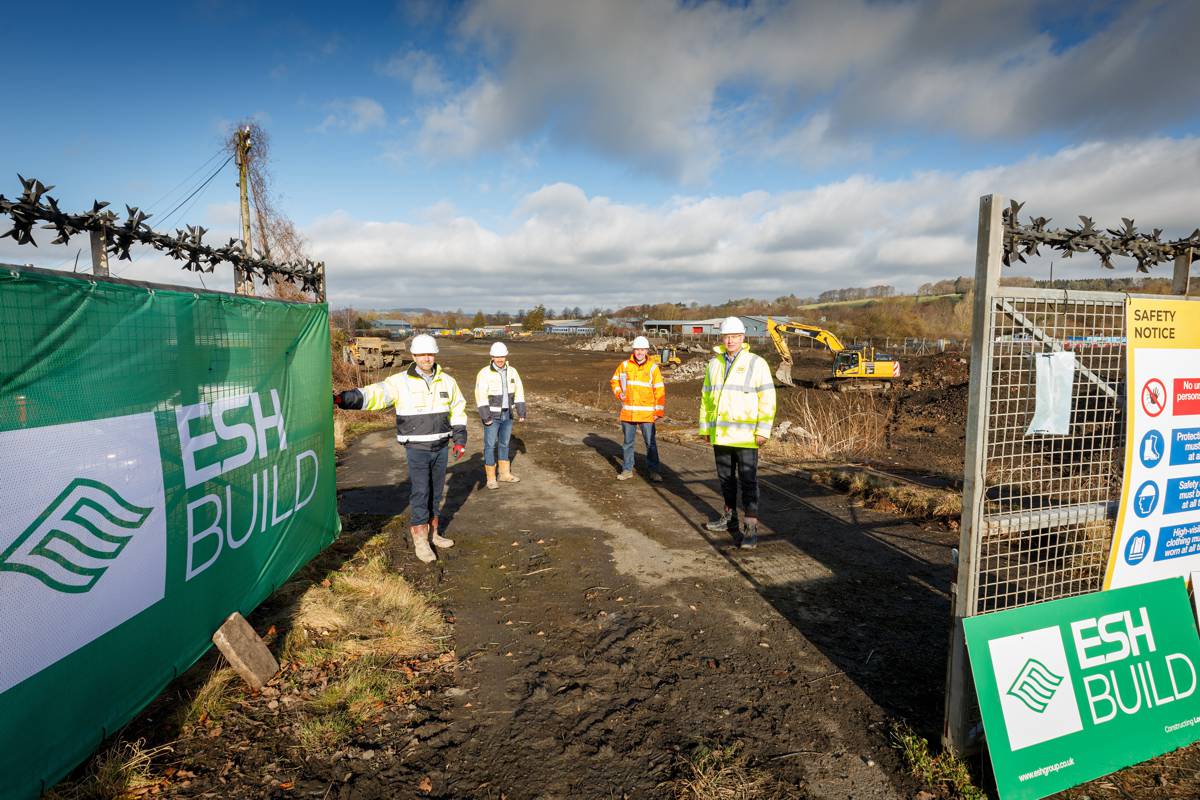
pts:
pixel 726 773
pixel 366 610
pixel 118 772
pixel 836 427
pixel 943 771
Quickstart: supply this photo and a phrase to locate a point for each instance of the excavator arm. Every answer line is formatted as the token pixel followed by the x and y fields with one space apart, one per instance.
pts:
pixel 778 330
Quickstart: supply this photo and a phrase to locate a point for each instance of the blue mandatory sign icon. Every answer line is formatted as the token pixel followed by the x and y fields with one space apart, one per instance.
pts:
pixel 1151 449
pixel 1137 548
pixel 1146 499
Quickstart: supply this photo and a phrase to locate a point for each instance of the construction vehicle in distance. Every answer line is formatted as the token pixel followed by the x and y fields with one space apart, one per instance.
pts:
pixel 856 367
pixel 661 352
pixel 374 352
pixel 666 356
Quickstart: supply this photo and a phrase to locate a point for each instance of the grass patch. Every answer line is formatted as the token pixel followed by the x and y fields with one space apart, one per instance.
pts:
pixel 357 626
pixel 322 733
pixel 213 699
pixel 944 771
pixel 349 425
pixel 118 772
pixel 728 773
pixel 917 502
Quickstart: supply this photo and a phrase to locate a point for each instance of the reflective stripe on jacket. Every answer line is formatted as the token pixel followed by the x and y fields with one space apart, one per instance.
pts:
pixel 489 394
pixel 645 394
pixel 427 414
pixel 737 403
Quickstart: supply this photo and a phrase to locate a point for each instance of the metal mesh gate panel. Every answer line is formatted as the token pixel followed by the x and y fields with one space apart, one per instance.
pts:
pixel 1049 502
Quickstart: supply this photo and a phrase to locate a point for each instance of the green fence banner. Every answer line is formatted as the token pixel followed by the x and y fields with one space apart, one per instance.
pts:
pixel 166 459
pixel 1074 689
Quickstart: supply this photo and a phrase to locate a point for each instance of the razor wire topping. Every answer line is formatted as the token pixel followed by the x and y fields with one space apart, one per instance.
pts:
pixel 1148 249
pixel 35 205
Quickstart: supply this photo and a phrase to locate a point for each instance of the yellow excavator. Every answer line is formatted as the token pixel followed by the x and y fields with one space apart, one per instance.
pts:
pixel 856 367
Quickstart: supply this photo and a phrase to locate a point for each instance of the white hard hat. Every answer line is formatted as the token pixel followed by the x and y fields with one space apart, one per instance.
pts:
pixel 499 350
pixel 423 344
pixel 640 343
pixel 732 325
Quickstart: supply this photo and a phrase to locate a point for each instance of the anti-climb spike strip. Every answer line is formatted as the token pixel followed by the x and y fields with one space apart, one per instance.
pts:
pixel 35 206
pixel 1147 249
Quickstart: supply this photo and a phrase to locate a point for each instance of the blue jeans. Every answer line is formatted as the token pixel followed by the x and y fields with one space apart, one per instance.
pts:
pixel 427 476
pixel 630 430
pixel 495 438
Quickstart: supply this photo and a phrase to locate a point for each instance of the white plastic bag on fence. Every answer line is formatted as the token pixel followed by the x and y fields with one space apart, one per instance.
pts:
pixel 1052 399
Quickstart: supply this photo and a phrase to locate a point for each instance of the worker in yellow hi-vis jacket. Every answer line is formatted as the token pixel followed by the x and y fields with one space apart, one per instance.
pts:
pixel 430 414
pixel 737 410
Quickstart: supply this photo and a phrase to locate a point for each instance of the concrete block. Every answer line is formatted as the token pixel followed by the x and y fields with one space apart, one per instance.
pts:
pixel 245 651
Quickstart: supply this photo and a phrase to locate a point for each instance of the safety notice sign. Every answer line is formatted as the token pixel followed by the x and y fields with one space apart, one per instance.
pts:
pixel 1158 523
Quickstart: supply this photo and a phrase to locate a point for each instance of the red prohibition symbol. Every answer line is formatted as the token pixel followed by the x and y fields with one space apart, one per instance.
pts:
pixel 1154 397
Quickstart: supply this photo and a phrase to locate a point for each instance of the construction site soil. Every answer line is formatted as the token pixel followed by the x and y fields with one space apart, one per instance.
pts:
pixel 601 634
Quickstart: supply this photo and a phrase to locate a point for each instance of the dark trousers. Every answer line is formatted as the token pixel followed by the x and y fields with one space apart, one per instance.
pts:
pixel 427 475
pixel 738 465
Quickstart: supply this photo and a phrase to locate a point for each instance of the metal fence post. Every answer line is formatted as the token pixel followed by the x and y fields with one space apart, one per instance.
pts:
pixel 956 733
pixel 1183 271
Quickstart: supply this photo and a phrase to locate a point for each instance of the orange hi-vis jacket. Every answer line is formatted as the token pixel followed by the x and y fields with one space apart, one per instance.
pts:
pixel 640 389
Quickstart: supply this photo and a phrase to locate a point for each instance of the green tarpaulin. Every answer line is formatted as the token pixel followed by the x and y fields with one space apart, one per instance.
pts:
pixel 166 458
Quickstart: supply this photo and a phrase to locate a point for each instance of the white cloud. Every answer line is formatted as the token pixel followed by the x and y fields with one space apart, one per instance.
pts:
pixel 563 246
pixel 420 70
pixel 356 115
pixel 672 87
pixel 566 247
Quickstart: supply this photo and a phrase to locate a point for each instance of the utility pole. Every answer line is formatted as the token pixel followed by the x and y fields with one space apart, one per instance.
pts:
pixel 99 252
pixel 242 283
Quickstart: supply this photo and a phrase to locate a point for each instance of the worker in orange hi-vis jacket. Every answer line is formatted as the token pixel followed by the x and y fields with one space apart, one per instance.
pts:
pixel 638 384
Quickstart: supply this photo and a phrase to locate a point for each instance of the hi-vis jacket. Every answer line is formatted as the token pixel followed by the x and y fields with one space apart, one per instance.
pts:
pixel 427 414
pixel 645 393
pixel 738 402
pixel 489 394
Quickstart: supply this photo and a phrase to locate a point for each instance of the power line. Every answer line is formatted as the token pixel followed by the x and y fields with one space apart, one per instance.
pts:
pixel 196 190
pixel 197 193
pixel 177 186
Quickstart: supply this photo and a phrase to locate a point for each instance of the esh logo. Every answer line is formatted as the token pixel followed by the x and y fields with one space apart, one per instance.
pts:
pixel 83 538
pixel 1035 685
pixel 67 547
pixel 1039 701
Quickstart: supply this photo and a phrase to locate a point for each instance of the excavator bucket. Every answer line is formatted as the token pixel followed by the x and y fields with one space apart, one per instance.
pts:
pixel 783 373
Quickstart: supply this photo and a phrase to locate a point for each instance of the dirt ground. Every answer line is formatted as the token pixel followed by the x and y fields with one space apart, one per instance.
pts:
pixel 600 634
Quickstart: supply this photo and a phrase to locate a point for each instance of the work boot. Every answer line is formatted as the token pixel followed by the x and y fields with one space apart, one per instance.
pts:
pixel 490 469
pixel 624 475
pixel 721 523
pixel 506 475
pixel 420 537
pixel 749 535
pixel 439 541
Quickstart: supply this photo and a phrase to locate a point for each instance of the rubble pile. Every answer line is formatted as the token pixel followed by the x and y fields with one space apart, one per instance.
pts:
pixel 690 370
pixel 604 344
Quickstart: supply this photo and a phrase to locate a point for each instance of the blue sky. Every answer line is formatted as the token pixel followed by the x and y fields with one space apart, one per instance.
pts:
pixel 498 154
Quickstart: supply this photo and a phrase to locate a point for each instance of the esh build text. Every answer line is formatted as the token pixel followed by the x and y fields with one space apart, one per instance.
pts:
pixel 1132 672
pixel 211 519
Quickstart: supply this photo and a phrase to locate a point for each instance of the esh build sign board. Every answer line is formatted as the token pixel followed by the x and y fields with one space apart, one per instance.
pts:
pixel 1074 689
pixel 1158 523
